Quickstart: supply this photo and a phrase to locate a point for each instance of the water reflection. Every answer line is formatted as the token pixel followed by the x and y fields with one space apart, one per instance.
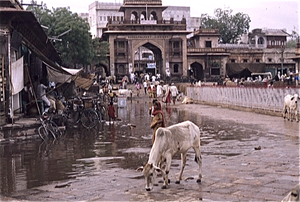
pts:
pixel 29 164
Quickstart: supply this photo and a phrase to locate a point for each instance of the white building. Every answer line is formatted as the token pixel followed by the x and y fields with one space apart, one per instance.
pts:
pixel 100 11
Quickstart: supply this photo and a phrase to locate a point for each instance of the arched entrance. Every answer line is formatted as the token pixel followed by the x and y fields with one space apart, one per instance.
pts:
pixel 197 71
pixel 148 59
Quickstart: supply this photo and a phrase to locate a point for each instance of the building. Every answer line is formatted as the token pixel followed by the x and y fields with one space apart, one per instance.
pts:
pixel 24 53
pixel 99 12
pixel 143 26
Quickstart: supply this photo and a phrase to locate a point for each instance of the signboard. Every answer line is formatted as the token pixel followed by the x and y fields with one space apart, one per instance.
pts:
pixel 168 73
pixel 148 22
pixel 151 65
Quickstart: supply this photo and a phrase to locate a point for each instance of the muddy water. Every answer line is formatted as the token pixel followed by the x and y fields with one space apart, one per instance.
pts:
pixel 125 145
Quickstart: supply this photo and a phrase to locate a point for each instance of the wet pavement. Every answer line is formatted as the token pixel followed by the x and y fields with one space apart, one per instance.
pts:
pixel 246 156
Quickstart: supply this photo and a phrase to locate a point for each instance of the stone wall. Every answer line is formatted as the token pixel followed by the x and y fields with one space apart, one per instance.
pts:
pixel 261 100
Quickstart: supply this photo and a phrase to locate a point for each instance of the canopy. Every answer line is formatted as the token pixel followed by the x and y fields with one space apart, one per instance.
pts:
pixel 61 74
pixel 238 68
pixel 65 75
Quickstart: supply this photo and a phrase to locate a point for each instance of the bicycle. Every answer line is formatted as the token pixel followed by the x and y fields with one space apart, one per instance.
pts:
pixel 48 128
pixel 75 114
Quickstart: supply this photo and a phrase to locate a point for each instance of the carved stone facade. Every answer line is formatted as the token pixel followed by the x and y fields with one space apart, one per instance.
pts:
pixel 143 26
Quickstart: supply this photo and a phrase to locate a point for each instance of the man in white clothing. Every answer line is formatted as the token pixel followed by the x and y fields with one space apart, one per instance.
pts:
pixel 41 94
pixel 174 92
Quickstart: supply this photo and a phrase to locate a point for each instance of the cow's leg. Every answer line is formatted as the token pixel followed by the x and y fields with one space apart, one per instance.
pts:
pixel 284 111
pixel 183 162
pixel 296 115
pixel 198 160
pixel 167 170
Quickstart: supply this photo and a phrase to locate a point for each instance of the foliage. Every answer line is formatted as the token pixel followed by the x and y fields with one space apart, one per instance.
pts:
pixel 230 27
pixel 101 49
pixel 292 43
pixel 75 46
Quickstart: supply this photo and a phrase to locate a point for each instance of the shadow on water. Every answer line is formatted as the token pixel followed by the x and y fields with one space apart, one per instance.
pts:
pixel 122 144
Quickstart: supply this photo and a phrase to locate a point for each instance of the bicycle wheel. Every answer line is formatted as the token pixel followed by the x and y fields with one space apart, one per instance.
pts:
pixel 53 127
pixel 89 118
pixel 45 133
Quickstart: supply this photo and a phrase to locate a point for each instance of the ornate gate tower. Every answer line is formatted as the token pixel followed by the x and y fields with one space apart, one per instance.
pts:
pixel 142 29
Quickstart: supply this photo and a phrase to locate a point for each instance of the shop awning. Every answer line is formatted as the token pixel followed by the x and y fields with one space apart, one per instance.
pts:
pixel 238 68
pixel 60 74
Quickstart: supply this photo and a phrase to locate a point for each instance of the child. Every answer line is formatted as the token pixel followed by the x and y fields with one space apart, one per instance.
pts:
pixel 111 112
pixel 138 87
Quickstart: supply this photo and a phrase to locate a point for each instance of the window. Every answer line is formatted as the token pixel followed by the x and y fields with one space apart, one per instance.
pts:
pixel 176 68
pixel 232 60
pixel 208 44
pixel 260 40
pixel 121 69
pixel 176 44
pixel 121 55
pixel 257 60
pixel 245 60
pixel 100 18
pixel 215 71
pixel 270 59
pixel 121 44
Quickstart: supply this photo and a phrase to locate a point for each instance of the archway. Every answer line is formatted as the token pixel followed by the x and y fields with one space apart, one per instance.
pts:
pixel 153 15
pixel 134 16
pixel 197 71
pixel 148 59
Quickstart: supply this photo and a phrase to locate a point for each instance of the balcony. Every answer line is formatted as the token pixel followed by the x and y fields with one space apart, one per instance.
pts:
pixel 143 2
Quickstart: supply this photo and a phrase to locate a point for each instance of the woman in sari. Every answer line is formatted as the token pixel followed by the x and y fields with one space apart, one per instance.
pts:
pixel 158 119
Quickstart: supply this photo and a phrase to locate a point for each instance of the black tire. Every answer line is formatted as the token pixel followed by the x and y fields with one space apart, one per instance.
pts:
pixel 53 126
pixel 89 118
pixel 45 133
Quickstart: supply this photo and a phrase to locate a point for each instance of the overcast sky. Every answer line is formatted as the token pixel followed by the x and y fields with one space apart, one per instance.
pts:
pixel 263 13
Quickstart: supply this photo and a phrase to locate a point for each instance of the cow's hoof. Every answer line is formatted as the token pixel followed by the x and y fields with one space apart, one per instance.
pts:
pixel 169 181
pixel 156 185
pixel 164 187
pixel 177 182
pixel 199 181
pixel 161 181
pixel 148 189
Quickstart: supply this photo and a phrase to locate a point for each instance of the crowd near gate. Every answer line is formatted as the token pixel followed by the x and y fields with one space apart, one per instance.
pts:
pixel 267 99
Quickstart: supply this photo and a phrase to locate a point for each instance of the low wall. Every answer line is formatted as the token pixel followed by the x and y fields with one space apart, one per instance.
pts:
pixel 261 100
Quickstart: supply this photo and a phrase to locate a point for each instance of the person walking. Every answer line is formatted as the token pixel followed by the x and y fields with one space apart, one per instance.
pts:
pixel 174 92
pixel 138 87
pixel 111 112
pixel 158 119
pixel 167 96
pixel 145 86
pixel 159 91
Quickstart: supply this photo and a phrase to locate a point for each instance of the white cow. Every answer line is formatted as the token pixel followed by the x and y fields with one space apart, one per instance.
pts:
pixel 290 106
pixel 178 138
pixel 293 195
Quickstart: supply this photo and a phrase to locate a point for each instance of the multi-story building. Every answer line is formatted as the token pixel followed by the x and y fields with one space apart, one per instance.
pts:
pixel 99 12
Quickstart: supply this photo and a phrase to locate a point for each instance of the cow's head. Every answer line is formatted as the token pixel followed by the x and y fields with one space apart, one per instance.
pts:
pixel 296 97
pixel 149 171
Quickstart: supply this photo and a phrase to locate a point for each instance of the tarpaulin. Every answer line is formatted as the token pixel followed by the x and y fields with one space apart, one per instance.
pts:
pixel 61 74
pixel 17 76
pixel 84 83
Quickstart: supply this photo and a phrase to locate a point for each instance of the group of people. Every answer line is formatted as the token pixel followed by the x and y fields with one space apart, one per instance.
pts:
pixel 166 93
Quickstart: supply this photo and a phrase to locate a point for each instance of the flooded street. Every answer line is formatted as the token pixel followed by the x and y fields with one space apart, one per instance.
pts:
pixel 246 156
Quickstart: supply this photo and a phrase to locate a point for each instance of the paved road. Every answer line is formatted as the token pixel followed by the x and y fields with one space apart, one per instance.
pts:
pixel 246 156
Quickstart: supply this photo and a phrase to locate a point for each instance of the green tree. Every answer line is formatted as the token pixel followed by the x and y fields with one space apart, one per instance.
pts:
pixel 230 26
pixel 292 43
pixel 75 46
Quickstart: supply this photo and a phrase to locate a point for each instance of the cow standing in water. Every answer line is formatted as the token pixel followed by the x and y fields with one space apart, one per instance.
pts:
pixel 178 138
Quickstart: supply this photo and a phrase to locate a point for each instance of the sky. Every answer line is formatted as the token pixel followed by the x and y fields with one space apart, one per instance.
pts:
pixel 272 14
